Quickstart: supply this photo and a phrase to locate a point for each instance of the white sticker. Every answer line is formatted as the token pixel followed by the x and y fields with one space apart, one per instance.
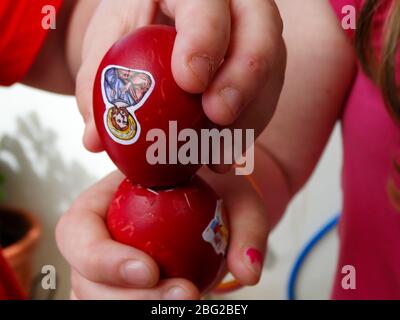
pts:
pixel 216 232
pixel 124 91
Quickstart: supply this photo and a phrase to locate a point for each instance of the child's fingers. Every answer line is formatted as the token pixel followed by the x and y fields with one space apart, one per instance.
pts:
pixel 249 232
pixel 255 40
pixel 171 289
pixel 260 112
pixel 203 34
pixel 248 222
pixel 84 241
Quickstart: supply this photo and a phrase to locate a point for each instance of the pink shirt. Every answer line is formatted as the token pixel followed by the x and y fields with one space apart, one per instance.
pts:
pixel 369 229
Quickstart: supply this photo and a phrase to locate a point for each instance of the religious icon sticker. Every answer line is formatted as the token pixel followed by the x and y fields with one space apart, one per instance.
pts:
pixel 124 91
pixel 216 232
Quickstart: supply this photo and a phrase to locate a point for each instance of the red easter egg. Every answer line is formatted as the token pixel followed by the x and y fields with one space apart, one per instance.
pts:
pixel 184 229
pixel 135 92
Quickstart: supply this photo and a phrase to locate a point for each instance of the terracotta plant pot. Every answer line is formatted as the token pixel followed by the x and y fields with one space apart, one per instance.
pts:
pixel 19 234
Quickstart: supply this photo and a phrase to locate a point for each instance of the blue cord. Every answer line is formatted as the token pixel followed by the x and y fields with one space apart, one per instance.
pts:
pixel 291 288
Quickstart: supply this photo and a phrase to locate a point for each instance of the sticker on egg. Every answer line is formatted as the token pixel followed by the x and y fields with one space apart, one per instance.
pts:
pixel 124 91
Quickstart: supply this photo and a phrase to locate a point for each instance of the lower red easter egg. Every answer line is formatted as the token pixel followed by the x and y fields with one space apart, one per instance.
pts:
pixel 184 229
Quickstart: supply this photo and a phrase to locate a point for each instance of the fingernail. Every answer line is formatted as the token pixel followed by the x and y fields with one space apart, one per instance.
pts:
pixel 202 68
pixel 176 293
pixel 233 100
pixel 137 273
pixel 255 260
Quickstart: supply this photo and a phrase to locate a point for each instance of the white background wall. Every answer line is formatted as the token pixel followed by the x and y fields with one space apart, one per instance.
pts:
pixel 46 166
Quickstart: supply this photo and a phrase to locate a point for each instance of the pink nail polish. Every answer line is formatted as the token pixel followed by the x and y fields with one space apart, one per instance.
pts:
pixel 255 260
pixel 255 256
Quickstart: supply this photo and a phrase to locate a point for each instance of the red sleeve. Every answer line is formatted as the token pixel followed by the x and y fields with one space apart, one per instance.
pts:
pixel 22 36
pixel 9 286
pixel 338 6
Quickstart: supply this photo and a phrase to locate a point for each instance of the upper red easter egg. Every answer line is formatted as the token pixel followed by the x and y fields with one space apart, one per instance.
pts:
pixel 135 94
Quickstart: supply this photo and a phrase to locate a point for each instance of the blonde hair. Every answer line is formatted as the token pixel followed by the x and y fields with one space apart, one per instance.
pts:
pixel 381 69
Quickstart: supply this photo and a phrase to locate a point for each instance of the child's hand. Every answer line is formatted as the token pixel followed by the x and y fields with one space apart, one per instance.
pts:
pixel 105 269
pixel 232 50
